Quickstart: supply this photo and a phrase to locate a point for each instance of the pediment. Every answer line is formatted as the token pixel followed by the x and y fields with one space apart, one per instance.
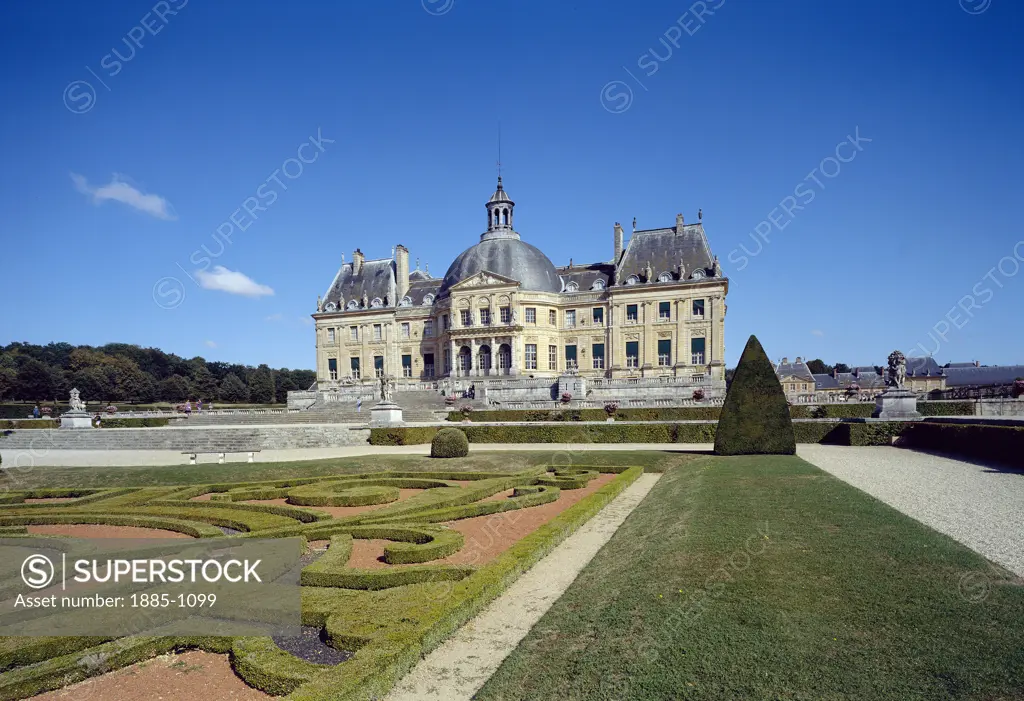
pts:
pixel 484 278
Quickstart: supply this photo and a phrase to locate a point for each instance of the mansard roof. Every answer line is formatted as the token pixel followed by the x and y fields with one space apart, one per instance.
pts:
pixel 795 369
pixel 586 275
pixel 664 249
pixel 375 279
pixel 983 376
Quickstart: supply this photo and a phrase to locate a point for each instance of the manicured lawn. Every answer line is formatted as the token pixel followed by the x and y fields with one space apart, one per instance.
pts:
pixel 478 460
pixel 765 578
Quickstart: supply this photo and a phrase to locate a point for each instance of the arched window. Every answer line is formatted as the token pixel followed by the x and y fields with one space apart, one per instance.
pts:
pixel 428 299
pixel 490 219
pixel 330 307
pixel 504 217
pixel 665 277
pixel 598 284
pixel 572 287
pixel 632 280
pixel 352 305
pixel 698 274
pixel 377 303
pixel 406 302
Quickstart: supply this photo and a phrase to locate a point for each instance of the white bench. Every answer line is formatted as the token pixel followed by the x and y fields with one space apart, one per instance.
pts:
pixel 193 454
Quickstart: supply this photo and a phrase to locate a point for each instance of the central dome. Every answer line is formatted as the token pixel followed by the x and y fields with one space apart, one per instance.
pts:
pixel 502 252
pixel 509 257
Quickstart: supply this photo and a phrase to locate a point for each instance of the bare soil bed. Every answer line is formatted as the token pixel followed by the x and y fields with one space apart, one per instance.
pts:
pixel 184 677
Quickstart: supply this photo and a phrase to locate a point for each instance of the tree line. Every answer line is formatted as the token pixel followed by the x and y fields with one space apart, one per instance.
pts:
pixel 121 372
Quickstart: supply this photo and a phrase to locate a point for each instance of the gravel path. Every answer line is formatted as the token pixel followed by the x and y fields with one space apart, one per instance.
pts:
pixel 459 667
pixel 981 507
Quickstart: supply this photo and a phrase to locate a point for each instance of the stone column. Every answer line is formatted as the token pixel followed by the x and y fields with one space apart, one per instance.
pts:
pixel 452 365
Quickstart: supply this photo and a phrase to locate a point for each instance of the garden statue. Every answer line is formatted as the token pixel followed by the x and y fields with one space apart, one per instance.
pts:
pixel 319 303
pixel 897 370
pixel 387 386
pixel 648 272
pixel 682 270
pixel 366 301
pixel 717 268
pixel 515 316
pixel 75 403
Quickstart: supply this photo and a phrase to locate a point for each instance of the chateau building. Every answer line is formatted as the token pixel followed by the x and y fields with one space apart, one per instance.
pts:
pixel 503 310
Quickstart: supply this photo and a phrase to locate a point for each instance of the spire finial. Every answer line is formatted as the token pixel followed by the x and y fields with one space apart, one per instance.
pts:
pixel 499 154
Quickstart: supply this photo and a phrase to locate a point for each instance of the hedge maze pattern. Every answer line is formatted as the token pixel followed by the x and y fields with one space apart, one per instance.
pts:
pixel 388 617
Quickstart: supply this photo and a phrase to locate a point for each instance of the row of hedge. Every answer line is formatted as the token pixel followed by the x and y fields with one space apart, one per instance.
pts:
pixel 375 670
pixel 196 530
pixel 1000 444
pixel 806 432
pixel 842 410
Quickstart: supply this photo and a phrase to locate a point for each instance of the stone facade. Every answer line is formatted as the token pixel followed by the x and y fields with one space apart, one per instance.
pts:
pixel 503 311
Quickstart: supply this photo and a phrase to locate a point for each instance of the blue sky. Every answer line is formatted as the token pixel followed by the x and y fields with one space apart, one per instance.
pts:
pixel 609 111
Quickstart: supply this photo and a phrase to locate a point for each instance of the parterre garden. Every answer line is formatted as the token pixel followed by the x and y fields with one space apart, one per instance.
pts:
pixel 397 560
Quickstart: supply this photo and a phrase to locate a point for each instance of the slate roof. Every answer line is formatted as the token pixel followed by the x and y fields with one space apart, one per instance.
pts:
pixel 794 369
pixel 863 376
pixel 585 275
pixel 924 367
pixel 508 256
pixel 961 365
pixel 825 381
pixel 420 288
pixel 983 376
pixel 375 279
pixel 664 249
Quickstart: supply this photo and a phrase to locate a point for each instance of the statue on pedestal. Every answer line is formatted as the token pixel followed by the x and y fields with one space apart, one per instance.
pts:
pixel 897 370
pixel 319 303
pixel 387 387
pixel 75 402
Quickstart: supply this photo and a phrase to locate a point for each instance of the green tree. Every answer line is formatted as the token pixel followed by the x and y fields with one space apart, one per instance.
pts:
pixel 842 367
pixel 174 389
pixel 33 381
pixel 93 383
pixel 261 385
pixel 204 384
pixel 283 387
pixel 133 385
pixel 755 418
pixel 233 390
pixel 8 380
pixel 818 367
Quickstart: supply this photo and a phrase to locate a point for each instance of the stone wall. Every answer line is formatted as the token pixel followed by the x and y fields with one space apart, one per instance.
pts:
pixel 999 407
pixel 238 439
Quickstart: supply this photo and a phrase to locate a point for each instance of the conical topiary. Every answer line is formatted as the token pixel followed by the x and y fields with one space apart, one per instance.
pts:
pixel 755 419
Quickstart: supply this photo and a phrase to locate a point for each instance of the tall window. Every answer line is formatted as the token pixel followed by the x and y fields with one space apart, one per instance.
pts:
pixel 330 336
pixel 598 315
pixel 506 315
pixel 485 316
pixel 597 352
pixel 428 328
pixel 664 352
pixel 378 365
pixel 405 329
pixel 698 308
pixel 531 356
pixel 531 315
pixel 570 357
pixel 552 357
pixel 631 314
pixel 664 311
pixel 406 366
pixel 465 317
pixel 332 368
pixel 353 366
pixel 377 332
pixel 353 333
pixel 697 351
pixel 570 318
pixel 552 317
pixel 428 364
pixel 447 360
pixel 632 354
pixel 445 323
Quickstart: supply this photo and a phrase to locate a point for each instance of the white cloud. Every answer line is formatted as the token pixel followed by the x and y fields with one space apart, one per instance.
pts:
pixel 817 332
pixel 275 317
pixel 119 190
pixel 210 344
pixel 232 282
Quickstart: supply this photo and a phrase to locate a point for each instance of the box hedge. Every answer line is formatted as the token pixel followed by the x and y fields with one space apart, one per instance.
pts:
pixel 986 442
pixel 449 443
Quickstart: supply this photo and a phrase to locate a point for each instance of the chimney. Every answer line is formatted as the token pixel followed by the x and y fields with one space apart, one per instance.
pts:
pixel 679 223
pixel 402 271
pixel 618 243
pixel 357 262
pixel 977 363
pixel 785 361
pixel 799 360
pixel 835 373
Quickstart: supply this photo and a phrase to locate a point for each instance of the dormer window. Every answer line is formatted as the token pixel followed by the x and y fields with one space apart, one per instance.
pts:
pixel 598 285
pixel 376 303
pixel 352 305
pixel 330 307
pixel 428 300
pixel 698 274
pixel 665 277
pixel 572 287
pixel 632 280
pixel 406 302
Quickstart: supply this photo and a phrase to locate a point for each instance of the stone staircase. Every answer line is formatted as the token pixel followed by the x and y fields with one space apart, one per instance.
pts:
pixel 226 439
pixel 326 415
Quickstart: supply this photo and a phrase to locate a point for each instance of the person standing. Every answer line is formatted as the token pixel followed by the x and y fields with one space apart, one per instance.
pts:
pixel 188 408
pixel 200 405
pixel 359 404
pixel 35 412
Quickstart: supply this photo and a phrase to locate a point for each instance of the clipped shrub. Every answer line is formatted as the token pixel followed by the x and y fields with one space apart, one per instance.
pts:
pixel 610 408
pixel 698 395
pixel 449 443
pixel 566 397
pixel 1000 444
pixel 1018 387
pixel 755 418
